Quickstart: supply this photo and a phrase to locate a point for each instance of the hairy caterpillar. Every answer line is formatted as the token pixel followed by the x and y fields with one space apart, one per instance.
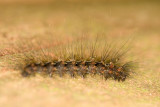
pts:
pixel 75 68
pixel 76 59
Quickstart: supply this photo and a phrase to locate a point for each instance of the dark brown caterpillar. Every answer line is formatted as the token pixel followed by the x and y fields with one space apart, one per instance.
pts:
pixel 77 59
pixel 79 68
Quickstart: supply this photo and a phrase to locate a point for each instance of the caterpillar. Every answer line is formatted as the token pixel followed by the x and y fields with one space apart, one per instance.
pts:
pixel 76 59
pixel 75 68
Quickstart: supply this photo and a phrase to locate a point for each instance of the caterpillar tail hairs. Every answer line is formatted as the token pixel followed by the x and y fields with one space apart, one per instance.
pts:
pixel 77 59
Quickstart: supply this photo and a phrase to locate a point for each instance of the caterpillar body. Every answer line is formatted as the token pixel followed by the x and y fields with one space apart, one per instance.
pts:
pixel 77 59
pixel 79 68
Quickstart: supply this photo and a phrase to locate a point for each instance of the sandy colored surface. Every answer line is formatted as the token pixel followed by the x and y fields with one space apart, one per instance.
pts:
pixel 63 21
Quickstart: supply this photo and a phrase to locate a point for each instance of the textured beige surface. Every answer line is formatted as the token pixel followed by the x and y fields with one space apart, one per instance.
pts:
pixel 124 21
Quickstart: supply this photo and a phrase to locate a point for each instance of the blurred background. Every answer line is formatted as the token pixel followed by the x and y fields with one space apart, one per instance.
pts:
pixel 75 17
